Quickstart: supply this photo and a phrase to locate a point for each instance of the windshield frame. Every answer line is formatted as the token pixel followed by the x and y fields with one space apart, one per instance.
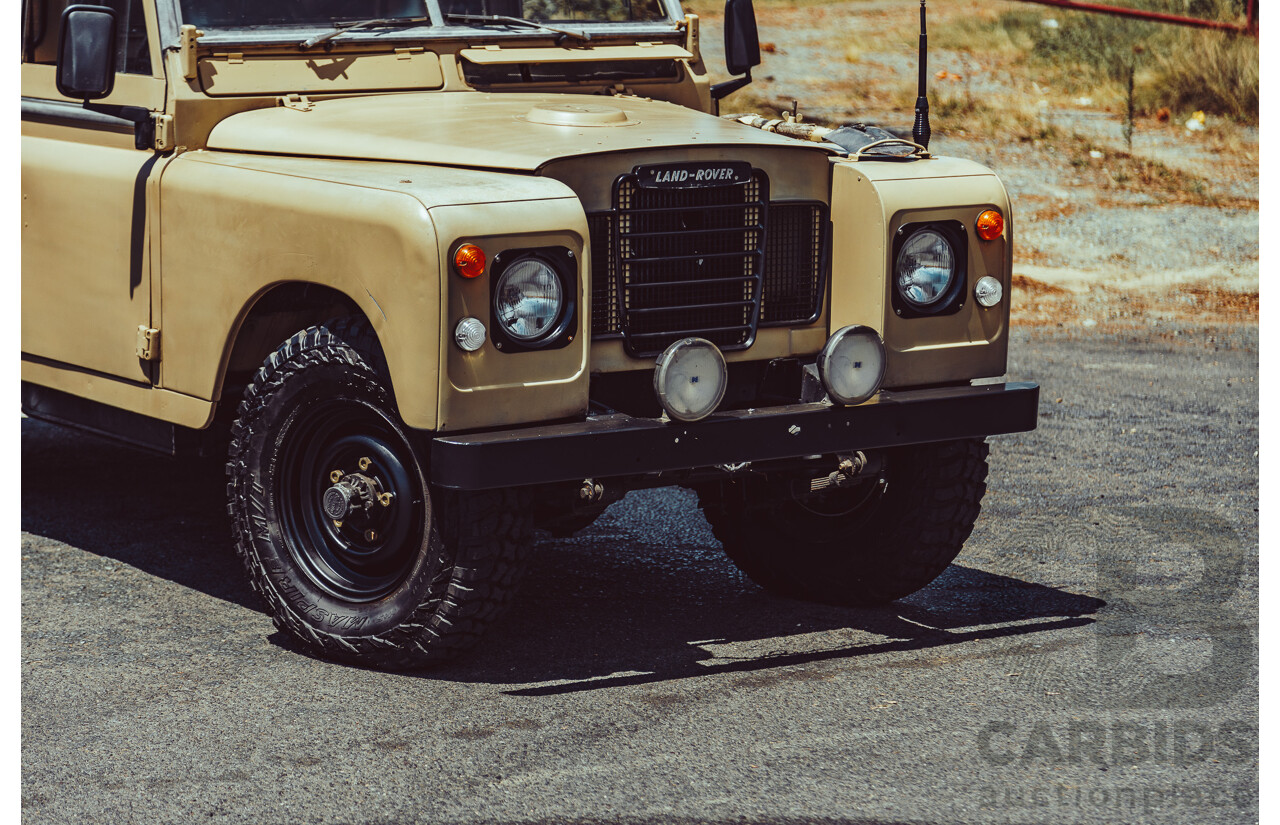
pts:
pixel 169 15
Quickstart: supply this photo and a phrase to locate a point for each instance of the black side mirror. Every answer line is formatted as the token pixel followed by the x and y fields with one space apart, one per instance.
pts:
pixel 741 45
pixel 741 40
pixel 87 52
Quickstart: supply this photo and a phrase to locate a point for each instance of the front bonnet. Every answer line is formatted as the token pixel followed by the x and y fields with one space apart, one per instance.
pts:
pixel 496 131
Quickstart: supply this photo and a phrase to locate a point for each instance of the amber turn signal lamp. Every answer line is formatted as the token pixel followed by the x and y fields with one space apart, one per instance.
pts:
pixel 990 225
pixel 469 260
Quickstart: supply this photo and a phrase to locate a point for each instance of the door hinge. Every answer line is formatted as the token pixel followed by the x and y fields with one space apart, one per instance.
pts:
pixel 296 101
pixel 163 132
pixel 187 37
pixel 148 343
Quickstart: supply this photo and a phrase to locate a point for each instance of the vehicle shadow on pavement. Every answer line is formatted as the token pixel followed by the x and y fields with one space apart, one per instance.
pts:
pixel 162 516
pixel 600 610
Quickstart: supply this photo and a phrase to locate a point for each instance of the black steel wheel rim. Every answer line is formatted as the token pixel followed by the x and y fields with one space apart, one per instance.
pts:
pixel 368 552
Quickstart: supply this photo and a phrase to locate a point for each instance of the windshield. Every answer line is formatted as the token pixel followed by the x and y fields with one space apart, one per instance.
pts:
pixel 256 14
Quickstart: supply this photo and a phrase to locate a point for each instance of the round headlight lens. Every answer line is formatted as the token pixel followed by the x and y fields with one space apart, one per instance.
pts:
pixel 690 379
pixel 528 299
pixel 851 365
pixel 925 268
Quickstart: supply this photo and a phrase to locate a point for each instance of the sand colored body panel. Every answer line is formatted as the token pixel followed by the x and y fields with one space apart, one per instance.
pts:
pixel 233 73
pixel 235 226
pixel 473 129
pixel 491 388
pixel 871 201
pixel 87 231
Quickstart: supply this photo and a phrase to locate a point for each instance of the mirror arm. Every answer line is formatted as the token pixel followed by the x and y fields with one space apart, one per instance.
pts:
pixel 728 87
pixel 144 125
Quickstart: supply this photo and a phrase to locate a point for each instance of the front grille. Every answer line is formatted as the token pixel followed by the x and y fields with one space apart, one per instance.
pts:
pixel 794 264
pixel 713 262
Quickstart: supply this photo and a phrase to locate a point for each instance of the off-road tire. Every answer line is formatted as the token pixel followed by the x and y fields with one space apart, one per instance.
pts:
pixel 462 563
pixel 901 538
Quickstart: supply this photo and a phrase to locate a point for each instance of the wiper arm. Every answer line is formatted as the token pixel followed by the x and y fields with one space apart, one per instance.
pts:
pixel 343 28
pixel 519 21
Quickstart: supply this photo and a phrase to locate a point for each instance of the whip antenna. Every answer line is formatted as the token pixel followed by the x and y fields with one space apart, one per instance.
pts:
pixel 920 132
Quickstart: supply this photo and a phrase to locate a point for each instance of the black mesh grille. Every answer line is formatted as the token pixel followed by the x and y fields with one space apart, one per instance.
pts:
pixel 793 264
pixel 668 263
pixel 604 279
pixel 688 262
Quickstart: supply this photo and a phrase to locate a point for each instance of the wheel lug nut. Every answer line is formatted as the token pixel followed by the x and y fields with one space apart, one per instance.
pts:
pixel 335 476
pixel 385 499
pixel 365 463
pixel 370 535
pixel 337 524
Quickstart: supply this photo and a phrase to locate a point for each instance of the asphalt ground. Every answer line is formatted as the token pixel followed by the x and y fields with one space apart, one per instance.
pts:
pixel 1090 657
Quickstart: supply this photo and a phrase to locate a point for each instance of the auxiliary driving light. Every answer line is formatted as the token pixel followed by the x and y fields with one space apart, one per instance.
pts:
pixel 690 379
pixel 851 365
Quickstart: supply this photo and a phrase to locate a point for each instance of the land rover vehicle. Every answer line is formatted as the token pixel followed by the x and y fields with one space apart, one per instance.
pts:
pixel 434 274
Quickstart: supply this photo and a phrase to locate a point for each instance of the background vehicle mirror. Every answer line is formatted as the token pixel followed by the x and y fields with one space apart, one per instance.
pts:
pixel 741 46
pixel 741 40
pixel 87 52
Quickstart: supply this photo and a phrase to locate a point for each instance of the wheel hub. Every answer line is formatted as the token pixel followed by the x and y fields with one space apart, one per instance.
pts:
pixel 352 506
pixel 353 492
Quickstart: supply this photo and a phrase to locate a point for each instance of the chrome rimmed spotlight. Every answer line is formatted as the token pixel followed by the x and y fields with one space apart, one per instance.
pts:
pixel 690 379
pixel 851 365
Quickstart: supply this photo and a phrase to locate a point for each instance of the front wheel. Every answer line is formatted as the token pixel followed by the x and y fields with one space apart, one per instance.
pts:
pixel 867 544
pixel 354 554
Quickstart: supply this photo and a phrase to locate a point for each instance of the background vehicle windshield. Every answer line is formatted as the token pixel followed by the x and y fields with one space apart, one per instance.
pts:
pixel 252 14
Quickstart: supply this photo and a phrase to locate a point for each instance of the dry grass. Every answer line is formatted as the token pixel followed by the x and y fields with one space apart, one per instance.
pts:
pixel 1036 303
pixel 1085 54
pixel 1121 171
pixel 958 112
pixel 1207 71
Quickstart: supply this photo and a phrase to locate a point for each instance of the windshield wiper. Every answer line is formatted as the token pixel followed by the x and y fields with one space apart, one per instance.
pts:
pixel 343 28
pixel 481 19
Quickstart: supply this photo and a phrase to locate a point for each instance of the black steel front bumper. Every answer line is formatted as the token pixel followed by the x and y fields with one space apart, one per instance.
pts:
pixel 619 445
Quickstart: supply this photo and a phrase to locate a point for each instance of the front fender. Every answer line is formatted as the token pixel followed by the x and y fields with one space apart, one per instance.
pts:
pixel 233 226
pixel 870 201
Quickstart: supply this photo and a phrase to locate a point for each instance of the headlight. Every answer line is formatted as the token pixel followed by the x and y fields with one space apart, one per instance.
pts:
pixel 925 269
pixel 528 300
